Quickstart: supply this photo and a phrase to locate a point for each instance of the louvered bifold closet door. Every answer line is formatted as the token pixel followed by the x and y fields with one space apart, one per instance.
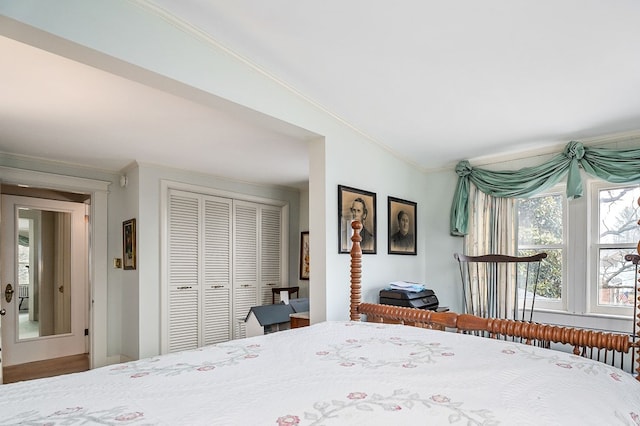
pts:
pixel 270 252
pixel 183 254
pixel 245 263
pixel 217 270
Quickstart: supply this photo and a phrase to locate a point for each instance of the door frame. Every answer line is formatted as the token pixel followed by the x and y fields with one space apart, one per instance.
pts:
pixel 97 231
pixel 57 344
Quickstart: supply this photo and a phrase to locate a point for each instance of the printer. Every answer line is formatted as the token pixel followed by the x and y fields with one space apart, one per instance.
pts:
pixel 425 299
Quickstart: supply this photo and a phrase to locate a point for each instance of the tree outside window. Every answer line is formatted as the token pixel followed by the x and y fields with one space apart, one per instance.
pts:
pixel 618 234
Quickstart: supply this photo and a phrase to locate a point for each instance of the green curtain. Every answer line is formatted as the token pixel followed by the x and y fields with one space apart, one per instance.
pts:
pixel 617 166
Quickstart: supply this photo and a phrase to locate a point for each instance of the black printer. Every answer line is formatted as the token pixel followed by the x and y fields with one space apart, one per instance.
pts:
pixel 425 299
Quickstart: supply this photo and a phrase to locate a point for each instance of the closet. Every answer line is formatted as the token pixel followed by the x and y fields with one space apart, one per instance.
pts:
pixel 223 257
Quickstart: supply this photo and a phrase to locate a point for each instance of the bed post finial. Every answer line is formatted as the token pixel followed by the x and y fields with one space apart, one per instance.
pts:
pixel 356 269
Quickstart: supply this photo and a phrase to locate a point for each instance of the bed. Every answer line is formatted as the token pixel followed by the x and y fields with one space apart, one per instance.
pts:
pixel 401 366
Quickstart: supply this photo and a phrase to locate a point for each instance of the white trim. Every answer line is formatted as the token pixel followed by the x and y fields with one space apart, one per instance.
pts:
pixel 164 278
pixel 165 185
pixel 553 149
pixel 581 264
pixel 98 269
pixel 51 180
pixel 562 304
pixel 595 186
pixel 284 247
pixel 597 322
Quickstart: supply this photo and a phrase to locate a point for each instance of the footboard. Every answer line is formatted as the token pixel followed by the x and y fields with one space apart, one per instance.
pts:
pixel 408 316
pixel 617 349
pixel 611 348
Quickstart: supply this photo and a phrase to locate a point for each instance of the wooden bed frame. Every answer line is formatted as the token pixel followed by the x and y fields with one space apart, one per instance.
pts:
pixel 602 346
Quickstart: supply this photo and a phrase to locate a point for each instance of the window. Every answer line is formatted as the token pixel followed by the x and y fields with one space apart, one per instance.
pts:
pixel 541 224
pixel 615 233
pixel 586 240
pixel 24 260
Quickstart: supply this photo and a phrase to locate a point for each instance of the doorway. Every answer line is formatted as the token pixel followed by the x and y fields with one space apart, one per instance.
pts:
pixel 44 250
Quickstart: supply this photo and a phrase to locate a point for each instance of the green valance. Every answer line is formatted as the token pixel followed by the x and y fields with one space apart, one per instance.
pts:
pixel 617 166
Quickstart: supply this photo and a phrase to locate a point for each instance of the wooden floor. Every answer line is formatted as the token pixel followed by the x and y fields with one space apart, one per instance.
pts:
pixel 48 368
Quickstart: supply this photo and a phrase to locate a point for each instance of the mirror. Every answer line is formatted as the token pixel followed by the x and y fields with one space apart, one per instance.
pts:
pixel 44 269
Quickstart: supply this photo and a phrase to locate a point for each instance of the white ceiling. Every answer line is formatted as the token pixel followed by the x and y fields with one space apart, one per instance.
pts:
pixel 435 81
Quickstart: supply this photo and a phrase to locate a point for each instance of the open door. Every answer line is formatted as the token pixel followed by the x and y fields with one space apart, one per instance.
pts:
pixel 44 279
pixel 2 310
pixel 2 313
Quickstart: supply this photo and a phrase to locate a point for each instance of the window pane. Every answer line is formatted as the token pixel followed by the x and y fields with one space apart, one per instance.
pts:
pixel 550 279
pixel 617 278
pixel 23 263
pixel 23 274
pixel 618 230
pixel 618 218
pixel 540 220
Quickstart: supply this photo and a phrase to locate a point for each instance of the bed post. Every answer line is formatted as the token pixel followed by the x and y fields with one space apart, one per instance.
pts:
pixel 635 258
pixel 636 311
pixel 356 270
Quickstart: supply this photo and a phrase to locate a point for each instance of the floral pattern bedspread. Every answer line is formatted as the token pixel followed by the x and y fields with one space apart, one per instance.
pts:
pixel 337 373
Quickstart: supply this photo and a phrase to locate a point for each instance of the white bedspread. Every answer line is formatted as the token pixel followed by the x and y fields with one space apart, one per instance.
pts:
pixel 337 373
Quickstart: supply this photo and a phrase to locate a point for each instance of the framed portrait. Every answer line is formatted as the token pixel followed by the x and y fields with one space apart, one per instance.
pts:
pixel 304 255
pixel 356 204
pixel 403 228
pixel 129 244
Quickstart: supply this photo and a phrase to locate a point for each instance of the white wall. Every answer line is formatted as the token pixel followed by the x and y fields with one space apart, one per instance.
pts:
pixel 356 162
pixel 442 272
pixel 143 39
pixel 133 296
pixel 132 301
pixel 341 156
pixel 115 301
pixel 149 245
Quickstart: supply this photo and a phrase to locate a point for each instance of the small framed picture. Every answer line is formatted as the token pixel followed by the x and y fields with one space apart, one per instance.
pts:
pixel 304 255
pixel 402 226
pixel 356 204
pixel 129 244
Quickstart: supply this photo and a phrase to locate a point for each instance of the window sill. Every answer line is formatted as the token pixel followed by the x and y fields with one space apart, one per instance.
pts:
pixel 596 321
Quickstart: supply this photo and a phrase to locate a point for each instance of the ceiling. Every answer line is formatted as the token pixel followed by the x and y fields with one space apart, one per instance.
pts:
pixel 434 81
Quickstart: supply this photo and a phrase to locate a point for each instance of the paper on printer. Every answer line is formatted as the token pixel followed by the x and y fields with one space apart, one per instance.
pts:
pixel 407 286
